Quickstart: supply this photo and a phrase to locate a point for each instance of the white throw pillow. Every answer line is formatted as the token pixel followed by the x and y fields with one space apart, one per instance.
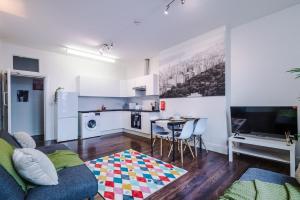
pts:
pixel 24 139
pixel 34 166
pixel 298 174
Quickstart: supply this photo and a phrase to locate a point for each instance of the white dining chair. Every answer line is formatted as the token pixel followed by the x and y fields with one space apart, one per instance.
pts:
pixel 162 133
pixel 199 131
pixel 185 135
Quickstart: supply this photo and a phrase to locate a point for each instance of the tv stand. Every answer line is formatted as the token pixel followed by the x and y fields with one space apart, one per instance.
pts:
pixel 264 148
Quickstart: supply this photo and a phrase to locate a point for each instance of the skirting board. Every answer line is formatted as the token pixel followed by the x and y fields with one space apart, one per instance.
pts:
pixel 210 146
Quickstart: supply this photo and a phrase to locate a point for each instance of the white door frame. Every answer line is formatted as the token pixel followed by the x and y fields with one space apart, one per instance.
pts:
pixel 28 75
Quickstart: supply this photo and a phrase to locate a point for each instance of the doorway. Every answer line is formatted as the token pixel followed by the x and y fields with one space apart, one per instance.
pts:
pixel 27 105
pixel 24 103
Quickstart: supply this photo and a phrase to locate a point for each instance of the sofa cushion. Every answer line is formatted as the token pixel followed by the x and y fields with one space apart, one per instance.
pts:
pixel 74 183
pixel 10 139
pixel 24 139
pixel 267 176
pixel 9 188
pixel 34 166
pixel 52 148
pixel 298 173
pixel 6 162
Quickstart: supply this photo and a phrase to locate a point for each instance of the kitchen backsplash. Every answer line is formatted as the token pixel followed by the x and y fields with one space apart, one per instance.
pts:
pixel 144 101
pixel 95 103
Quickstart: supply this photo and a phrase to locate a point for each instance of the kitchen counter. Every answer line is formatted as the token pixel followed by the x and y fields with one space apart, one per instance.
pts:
pixel 113 110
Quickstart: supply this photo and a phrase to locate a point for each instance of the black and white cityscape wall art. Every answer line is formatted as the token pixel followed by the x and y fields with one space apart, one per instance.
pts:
pixel 195 68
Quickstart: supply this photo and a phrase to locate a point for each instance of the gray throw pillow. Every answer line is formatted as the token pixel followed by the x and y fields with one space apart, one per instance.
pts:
pixel 298 173
pixel 34 166
pixel 24 139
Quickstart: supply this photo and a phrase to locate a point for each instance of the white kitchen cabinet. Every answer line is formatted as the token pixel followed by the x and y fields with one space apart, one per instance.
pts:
pixel 98 87
pixel 146 123
pixel 146 117
pixel 149 81
pixel 126 120
pixel 140 82
pixel 130 86
pixel 126 88
pixel 152 84
pixel 110 120
pixel 122 119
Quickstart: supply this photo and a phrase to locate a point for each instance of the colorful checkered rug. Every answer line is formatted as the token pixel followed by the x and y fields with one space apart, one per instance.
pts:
pixel 131 175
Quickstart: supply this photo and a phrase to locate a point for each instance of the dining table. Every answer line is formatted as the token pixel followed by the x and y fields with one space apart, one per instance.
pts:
pixel 174 123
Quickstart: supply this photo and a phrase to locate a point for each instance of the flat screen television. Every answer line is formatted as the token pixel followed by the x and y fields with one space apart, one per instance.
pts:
pixel 264 121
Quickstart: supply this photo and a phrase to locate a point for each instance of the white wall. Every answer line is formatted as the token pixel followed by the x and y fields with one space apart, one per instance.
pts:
pixel 213 108
pixel 261 53
pixel 61 70
pixel 27 116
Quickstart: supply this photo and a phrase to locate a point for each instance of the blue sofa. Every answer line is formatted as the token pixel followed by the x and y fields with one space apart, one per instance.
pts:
pixel 74 183
pixel 267 176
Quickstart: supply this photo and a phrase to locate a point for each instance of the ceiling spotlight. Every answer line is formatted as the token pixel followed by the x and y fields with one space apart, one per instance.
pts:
pixel 106 47
pixel 166 12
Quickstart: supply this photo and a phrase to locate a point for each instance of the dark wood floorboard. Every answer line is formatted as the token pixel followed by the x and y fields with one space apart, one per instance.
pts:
pixel 208 175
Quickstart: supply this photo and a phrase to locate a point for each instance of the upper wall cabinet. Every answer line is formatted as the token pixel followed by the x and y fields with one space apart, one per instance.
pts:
pixel 102 87
pixel 98 87
pixel 129 88
pixel 152 87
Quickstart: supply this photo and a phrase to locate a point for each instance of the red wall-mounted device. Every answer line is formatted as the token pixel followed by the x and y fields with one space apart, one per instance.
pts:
pixel 162 105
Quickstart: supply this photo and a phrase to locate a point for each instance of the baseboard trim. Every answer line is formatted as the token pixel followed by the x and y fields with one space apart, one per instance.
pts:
pixel 119 130
pixel 210 146
pixel 137 133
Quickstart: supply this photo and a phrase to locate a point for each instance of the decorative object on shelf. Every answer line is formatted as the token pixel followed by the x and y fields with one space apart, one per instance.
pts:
pixel 22 95
pixel 288 138
pixel 103 107
pixel 194 68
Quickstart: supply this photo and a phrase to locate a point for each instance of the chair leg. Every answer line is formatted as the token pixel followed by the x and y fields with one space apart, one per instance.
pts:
pixel 190 148
pixel 154 141
pixel 161 146
pixel 204 145
pixel 200 143
pixel 171 149
pixel 195 146
pixel 181 151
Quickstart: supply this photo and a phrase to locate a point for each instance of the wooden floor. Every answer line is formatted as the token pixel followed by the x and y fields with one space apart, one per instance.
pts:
pixel 208 175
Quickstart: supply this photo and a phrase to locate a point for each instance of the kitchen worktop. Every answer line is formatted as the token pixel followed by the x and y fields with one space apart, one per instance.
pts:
pixel 113 110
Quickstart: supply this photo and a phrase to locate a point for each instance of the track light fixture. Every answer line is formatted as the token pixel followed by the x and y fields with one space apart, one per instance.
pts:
pixel 166 11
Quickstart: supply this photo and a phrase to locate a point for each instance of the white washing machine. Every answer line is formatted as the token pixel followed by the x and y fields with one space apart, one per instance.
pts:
pixel 89 124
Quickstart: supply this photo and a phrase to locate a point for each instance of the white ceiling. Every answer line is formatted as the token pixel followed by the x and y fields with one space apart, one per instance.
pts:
pixel 52 24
